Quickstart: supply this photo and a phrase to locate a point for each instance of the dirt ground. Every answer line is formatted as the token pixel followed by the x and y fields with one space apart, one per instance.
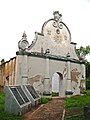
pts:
pixel 53 110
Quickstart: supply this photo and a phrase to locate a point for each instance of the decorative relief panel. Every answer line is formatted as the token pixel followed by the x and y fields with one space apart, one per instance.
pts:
pixel 56 33
pixel 56 30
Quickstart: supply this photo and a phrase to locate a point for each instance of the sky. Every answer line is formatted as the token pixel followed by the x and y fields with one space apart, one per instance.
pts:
pixel 17 16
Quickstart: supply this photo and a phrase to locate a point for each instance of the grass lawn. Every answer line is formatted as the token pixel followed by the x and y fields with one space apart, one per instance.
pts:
pixel 3 114
pixel 45 100
pixel 77 102
pixel 77 117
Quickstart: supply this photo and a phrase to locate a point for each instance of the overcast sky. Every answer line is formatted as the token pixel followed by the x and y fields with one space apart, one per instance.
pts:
pixel 17 16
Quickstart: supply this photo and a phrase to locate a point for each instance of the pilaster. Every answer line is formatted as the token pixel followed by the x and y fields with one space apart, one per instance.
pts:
pixel 47 79
pixel 68 81
pixel 21 69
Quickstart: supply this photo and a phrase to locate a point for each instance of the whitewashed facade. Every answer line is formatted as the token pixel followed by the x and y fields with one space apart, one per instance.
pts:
pixel 51 52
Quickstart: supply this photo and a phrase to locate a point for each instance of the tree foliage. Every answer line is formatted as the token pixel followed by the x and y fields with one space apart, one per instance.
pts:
pixel 83 50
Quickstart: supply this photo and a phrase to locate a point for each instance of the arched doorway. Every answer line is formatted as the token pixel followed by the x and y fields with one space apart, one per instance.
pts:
pixel 56 83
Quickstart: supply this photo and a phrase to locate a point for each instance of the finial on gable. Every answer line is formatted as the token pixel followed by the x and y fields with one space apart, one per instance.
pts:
pixel 57 16
pixel 23 43
pixel 24 35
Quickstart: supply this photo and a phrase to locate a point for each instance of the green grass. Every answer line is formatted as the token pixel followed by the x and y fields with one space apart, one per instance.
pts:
pixel 45 100
pixel 78 101
pixel 70 103
pixel 3 114
pixel 77 117
pixel 55 94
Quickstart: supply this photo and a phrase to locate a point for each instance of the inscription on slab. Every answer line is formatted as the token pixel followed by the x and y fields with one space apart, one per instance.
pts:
pixel 32 91
pixel 22 94
pixel 17 96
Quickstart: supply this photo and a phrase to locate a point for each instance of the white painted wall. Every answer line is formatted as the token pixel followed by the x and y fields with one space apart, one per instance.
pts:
pixel 59 44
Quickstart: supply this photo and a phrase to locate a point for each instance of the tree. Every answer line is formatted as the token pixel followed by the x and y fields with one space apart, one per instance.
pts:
pixel 85 51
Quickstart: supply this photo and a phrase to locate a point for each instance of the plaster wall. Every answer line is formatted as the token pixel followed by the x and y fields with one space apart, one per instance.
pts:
pixel 36 66
pixel 77 76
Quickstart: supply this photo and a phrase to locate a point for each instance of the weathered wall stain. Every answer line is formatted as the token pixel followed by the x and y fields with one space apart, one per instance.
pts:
pixel 7 73
pixel 75 75
pixel 38 82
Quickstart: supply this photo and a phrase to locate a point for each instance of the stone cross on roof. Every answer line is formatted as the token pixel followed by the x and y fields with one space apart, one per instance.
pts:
pixel 57 16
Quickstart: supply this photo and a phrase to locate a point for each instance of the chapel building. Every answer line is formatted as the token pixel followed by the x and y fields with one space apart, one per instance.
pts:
pixel 51 52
